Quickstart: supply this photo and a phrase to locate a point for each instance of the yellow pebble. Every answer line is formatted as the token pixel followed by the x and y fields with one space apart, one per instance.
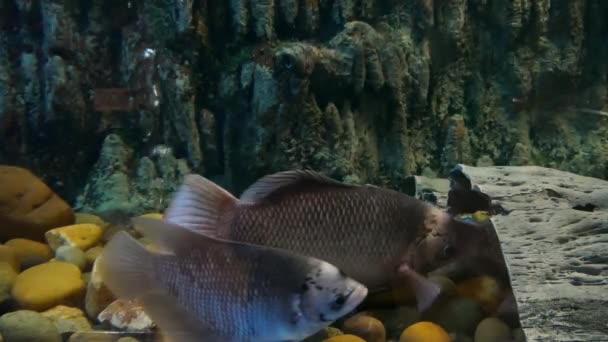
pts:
pixel 83 236
pixel 157 216
pixel 484 289
pixel 481 216
pixel 366 327
pixel 10 256
pixel 424 332
pixel 345 338
pixel 46 285
pixel 29 252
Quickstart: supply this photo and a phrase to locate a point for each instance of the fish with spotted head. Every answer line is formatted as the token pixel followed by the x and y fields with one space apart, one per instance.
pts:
pixel 198 288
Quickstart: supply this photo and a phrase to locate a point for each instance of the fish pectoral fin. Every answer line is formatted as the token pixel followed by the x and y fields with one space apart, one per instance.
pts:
pixel 200 205
pixel 174 322
pixel 271 184
pixel 425 290
pixel 126 266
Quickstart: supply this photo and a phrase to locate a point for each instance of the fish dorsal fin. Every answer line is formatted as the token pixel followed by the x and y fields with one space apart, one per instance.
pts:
pixel 271 184
pixel 200 205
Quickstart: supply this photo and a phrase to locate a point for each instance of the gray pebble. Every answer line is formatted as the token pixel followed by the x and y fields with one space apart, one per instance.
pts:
pixel 73 255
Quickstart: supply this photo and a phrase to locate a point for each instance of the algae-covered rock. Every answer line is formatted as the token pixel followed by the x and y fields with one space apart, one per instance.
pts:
pixel 122 185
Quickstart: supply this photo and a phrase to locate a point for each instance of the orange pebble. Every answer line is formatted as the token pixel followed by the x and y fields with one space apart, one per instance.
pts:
pixel 345 338
pixel 424 332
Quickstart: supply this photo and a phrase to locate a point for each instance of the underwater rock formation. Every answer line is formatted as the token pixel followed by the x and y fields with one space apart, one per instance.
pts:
pixel 553 234
pixel 120 184
pixel 366 90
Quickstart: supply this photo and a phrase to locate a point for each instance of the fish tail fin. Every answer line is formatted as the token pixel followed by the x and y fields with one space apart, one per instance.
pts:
pixel 200 205
pixel 126 266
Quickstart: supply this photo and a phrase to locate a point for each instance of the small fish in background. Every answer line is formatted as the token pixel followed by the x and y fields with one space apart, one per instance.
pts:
pixel 380 237
pixel 196 288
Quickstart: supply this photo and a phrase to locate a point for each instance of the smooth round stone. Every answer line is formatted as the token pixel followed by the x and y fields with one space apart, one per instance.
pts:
pixel 484 289
pixel 44 286
pixel 424 332
pixel 28 326
pixel 127 339
pixel 367 327
pixel 7 280
pixel 28 207
pixel 396 320
pixel 492 329
pixel 67 319
pixel 460 338
pixel 72 255
pixel 324 334
pixel 9 255
pixel 83 236
pixel 345 338
pixel 458 314
pixel 30 253
pixel 447 286
pixel 92 336
pixel 92 254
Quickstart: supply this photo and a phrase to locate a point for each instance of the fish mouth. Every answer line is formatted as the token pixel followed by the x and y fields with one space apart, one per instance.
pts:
pixel 358 295
pixel 355 297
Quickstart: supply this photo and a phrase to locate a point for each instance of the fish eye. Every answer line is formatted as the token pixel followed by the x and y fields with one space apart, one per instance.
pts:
pixel 448 251
pixel 339 302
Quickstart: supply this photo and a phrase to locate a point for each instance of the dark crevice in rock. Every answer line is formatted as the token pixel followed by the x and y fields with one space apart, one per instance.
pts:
pixel 586 207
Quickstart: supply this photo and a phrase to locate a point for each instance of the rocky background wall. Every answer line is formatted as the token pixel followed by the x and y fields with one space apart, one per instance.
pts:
pixel 110 102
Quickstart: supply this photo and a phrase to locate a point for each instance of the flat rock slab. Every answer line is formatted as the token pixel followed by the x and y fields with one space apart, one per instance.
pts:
pixel 554 236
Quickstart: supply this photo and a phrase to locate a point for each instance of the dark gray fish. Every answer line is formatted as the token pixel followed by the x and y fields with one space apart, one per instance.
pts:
pixel 372 234
pixel 198 288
